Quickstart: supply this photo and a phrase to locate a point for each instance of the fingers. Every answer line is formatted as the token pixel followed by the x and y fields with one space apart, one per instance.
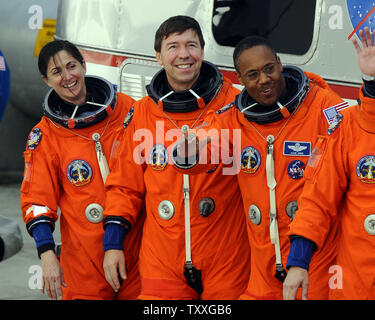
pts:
pixel 188 146
pixel 60 283
pixel 366 39
pixel 111 276
pixel 53 277
pixel 356 45
pixel 296 278
pixel 363 38
pixel 291 286
pixel 290 291
pixel 52 286
pixel 122 270
pixel 365 51
pixel 114 266
pixel 305 287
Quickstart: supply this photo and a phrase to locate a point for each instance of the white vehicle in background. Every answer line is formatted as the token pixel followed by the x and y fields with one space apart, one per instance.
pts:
pixel 117 37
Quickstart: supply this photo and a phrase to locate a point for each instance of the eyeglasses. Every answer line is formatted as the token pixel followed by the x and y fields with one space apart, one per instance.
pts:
pixel 268 70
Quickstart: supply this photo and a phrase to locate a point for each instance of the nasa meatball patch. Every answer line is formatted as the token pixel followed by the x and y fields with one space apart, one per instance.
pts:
pixel 296 168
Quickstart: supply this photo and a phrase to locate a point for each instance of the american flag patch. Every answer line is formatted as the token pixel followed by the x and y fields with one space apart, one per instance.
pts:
pixel 2 63
pixel 331 112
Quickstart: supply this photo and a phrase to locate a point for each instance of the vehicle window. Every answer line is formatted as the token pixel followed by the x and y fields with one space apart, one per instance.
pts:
pixel 288 24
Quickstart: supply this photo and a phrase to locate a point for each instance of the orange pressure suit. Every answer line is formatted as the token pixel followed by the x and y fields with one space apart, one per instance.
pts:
pixel 61 170
pixel 341 187
pixel 294 138
pixel 143 168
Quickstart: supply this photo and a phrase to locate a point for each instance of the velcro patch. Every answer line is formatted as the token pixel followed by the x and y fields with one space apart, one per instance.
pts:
pixel 297 148
pixel 335 123
pixel 331 112
pixel 34 138
pixel 225 108
pixel 128 117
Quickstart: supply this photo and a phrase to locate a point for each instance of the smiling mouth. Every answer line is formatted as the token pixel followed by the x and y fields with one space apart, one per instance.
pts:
pixel 266 91
pixel 67 86
pixel 183 66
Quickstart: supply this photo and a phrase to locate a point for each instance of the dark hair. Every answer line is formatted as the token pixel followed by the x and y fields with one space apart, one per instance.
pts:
pixel 248 43
pixel 177 24
pixel 52 48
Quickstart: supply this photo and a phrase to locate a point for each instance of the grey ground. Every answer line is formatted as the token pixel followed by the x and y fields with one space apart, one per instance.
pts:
pixel 19 274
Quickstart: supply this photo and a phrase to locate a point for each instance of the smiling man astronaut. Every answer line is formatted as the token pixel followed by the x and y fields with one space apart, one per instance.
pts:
pixel 194 238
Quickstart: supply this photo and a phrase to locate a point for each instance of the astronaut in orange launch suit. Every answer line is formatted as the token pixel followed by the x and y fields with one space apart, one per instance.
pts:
pixel 279 113
pixel 194 242
pixel 340 189
pixel 65 168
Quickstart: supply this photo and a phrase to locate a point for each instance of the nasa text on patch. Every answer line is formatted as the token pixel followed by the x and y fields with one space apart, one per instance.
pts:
pixel 297 148
pixel 296 168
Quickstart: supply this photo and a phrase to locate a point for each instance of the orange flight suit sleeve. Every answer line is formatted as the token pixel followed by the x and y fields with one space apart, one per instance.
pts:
pixel 39 189
pixel 125 162
pixel 325 184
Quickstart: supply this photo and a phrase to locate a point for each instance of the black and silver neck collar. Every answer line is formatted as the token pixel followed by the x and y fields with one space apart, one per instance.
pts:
pixel 202 92
pixel 296 87
pixel 100 101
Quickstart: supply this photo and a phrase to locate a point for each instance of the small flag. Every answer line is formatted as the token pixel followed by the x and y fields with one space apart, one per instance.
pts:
pixel 2 64
pixel 331 112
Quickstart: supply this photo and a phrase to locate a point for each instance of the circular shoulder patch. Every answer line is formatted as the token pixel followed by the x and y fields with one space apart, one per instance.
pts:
pixel 79 173
pixel 34 138
pixel 158 157
pixel 366 169
pixel 250 160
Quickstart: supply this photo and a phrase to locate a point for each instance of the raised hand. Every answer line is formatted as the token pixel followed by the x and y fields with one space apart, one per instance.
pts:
pixel 366 54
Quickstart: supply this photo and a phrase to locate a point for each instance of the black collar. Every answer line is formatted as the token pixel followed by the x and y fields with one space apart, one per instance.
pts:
pixel 98 90
pixel 207 85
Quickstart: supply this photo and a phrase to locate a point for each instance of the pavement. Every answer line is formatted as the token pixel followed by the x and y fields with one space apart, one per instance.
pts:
pixel 20 275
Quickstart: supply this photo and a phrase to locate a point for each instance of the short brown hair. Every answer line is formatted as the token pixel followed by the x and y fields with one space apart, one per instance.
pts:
pixel 177 24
